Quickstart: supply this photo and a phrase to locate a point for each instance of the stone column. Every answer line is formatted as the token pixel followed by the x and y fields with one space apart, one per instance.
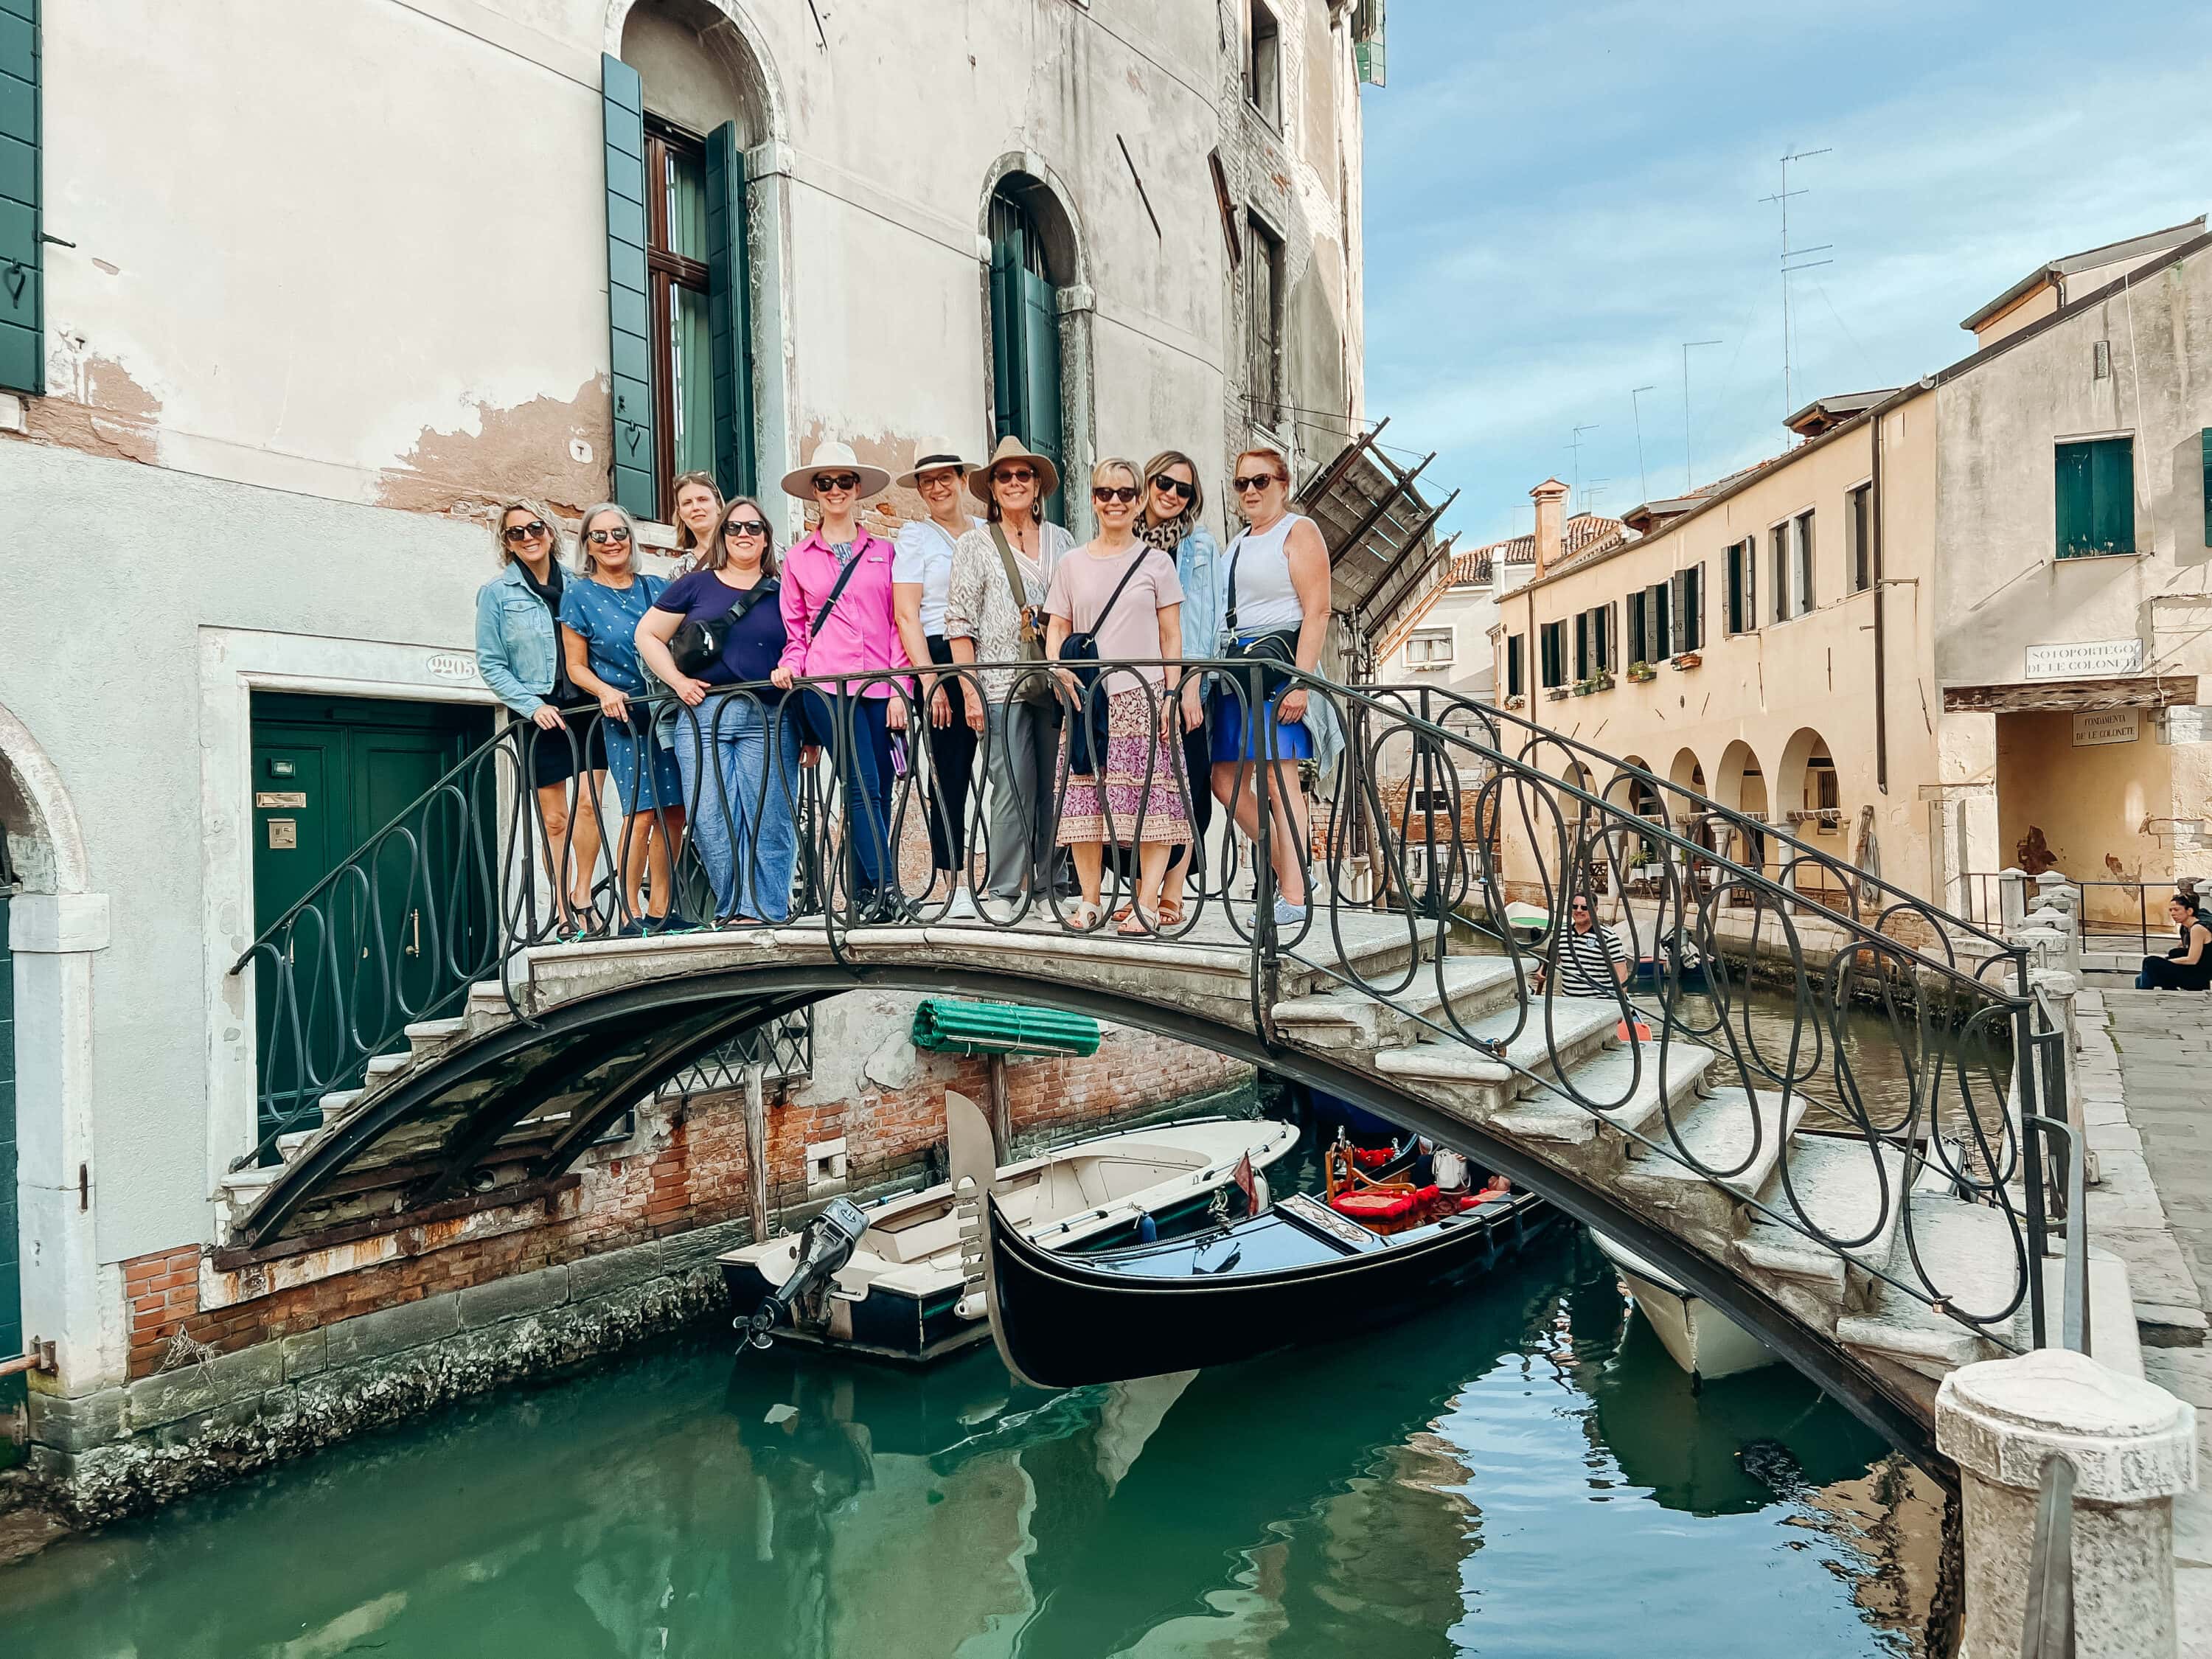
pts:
pixel 53 936
pixel 2012 897
pixel 2133 1447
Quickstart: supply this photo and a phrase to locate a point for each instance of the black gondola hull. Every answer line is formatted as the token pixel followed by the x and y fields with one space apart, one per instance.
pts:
pixel 1062 1323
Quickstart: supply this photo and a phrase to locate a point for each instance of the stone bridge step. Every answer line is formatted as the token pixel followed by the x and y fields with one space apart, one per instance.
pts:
pixel 1835 1186
pixel 1345 1016
pixel 1737 1133
pixel 1466 1081
pixel 427 1038
pixel 1971 1258
pixel 1544 1115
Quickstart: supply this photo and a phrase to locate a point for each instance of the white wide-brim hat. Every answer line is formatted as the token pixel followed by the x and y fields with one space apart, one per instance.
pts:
pixel 833 457
pixel 932 457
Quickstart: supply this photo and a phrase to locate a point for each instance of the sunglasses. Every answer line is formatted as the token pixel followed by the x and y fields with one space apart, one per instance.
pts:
pixel 602 537
pixel 1174 487
pixel 1016 475
pixel 1123 493
pixel 746 527
pixel 836 480
pixel 1257 481
pixel 524 532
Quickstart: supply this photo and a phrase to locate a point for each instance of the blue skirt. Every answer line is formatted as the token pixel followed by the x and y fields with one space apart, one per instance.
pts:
pixel 662 785
pixel 1234 735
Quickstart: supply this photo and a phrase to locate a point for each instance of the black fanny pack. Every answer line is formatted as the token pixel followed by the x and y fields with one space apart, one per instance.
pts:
pixel 697 646
pixel 1275 646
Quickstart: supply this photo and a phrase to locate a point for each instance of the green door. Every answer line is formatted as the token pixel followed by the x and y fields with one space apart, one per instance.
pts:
pixel 329 773
pixel 1025 341
pixel 11 1232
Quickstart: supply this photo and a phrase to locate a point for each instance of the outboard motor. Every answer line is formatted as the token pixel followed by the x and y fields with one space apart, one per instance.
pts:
pixel 825 1246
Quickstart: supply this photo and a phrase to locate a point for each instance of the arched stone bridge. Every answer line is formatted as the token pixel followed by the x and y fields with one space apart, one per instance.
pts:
pixel 1373 1006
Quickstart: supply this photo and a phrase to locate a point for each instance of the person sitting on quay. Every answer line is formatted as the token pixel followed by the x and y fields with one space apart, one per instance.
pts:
pixel 838 618
pixel 1592 962
pixel 1120 593
pixel 2188 966
pixel 601 606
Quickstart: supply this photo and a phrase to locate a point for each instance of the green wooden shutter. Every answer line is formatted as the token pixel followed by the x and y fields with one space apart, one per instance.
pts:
pixel 2112 485
pixel 1006 379
pixel 1040 361
pixel 629 325
pixel 2074 503
pixel 22 274
pixel 729 310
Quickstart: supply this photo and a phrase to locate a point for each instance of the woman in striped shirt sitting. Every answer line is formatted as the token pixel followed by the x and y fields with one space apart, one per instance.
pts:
pixel 1592 962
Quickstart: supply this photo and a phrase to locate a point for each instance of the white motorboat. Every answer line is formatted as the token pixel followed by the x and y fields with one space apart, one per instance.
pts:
pixel 1704 1341
pixel 900 1297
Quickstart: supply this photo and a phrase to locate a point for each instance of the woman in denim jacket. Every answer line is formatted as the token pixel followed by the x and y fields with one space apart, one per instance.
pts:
pixel 1173 503
pixel 519 655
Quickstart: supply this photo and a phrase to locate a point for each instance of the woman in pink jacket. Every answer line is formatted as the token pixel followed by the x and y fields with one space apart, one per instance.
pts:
pixel 838 618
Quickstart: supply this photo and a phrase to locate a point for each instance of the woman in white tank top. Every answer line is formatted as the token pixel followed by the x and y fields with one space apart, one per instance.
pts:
pixel 1277 584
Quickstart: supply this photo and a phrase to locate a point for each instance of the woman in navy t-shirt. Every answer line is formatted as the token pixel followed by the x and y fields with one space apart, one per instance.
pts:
pixel 738 758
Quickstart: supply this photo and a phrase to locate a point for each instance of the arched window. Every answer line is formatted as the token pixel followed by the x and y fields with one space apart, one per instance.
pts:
pixel 1025 380
pixel 682 105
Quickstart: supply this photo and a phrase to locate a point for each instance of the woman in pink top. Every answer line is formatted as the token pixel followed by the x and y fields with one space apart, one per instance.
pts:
pixel 838 618
pixel 1123 592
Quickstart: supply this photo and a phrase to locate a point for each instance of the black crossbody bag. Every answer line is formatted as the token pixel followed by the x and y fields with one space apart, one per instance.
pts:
pixel 1086 738
pixel 696 646
pixel 1275 646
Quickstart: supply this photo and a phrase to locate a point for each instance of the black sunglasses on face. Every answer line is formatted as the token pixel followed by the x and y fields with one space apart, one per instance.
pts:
pixel 1016 475
pixel 744 527
pixel 1174 486
pixel 1113 492
pixel 1257 481
pixel 524 532
pixel 836 480
pixel 602 537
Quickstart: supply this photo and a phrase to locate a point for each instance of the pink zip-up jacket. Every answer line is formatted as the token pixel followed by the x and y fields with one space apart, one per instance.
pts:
pixel 862 632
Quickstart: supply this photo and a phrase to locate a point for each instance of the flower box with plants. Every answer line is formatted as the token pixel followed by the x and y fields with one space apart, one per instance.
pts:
pixel 1688 659
pixel 1641 671
pixel 1556 694
pixel 1517 703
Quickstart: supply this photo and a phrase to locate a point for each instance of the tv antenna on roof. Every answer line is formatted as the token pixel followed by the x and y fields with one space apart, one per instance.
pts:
pixel 1643 479
pixel 1782 200
pixel 1575 444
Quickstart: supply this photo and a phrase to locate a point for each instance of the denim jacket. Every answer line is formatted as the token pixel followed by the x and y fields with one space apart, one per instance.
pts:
pixel 1198 568
pixel 515 642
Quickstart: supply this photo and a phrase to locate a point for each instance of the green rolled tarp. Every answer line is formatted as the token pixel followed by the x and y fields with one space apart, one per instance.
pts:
pixel 944 1026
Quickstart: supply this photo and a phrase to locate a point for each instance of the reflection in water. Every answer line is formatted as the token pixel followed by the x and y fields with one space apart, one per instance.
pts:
pixel 1521 1471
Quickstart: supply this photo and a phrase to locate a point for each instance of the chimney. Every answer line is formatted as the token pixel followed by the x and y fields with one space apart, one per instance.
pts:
pixel 1551 499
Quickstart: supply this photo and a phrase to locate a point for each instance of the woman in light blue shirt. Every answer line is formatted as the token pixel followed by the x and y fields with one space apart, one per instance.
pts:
pixel 1173 503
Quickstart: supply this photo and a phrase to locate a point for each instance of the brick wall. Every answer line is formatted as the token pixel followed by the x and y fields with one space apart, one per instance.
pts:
pixel 683 1169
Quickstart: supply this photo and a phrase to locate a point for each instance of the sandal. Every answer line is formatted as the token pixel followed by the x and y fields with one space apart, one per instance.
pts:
pixel 1139 924
pixel 1171 913
pixel 1085 918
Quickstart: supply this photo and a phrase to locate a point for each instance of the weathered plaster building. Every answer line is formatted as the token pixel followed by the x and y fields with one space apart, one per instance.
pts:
pixel 305 288
pixel 1957 626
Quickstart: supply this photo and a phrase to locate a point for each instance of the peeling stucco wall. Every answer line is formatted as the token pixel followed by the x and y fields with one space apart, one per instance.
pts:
pixel 549 449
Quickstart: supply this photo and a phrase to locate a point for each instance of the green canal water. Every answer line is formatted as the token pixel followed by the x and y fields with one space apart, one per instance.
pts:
pixel 1520 1471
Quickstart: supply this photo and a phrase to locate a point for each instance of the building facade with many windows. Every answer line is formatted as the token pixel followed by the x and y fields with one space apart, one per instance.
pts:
pixel 290 294
pixel 1955 628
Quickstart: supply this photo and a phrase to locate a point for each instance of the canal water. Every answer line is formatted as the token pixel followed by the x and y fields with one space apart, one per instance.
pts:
pixel 1521 1471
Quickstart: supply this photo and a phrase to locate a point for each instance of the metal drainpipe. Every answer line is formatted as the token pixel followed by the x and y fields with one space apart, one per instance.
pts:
pixel 1880 633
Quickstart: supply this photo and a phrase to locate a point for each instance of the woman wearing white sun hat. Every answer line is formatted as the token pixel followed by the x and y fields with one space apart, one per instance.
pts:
pixel 921 573
pixel 838 618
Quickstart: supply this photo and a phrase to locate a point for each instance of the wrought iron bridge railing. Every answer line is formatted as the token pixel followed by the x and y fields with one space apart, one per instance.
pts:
pixel 1911 1033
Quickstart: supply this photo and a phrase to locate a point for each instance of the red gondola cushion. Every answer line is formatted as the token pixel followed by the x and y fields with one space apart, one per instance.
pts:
pixel 1373 1207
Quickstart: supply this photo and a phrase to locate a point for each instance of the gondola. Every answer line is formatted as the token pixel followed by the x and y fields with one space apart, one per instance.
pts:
pixel 1299 1272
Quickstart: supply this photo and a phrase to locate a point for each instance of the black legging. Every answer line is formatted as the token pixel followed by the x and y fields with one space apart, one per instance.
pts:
pixel 951 765
pixel 2167 973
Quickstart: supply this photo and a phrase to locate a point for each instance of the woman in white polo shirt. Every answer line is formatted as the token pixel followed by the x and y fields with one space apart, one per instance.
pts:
pixel 921 574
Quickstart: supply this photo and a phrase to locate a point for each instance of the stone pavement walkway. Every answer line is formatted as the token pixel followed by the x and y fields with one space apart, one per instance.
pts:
pixel 2161 1042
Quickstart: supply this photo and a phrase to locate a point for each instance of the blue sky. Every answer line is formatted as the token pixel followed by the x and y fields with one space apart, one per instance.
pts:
pixel 1559 194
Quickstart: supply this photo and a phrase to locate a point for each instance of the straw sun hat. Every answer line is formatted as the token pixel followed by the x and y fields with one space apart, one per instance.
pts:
pixel 931 458
pixel 1013 449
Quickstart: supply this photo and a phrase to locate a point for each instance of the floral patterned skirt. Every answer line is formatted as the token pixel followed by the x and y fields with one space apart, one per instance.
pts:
pixel 1142 779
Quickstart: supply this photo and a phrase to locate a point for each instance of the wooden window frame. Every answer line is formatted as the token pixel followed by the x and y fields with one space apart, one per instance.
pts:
pixel 1803 551
pixel 1778 563
pixel 1858 535
pixel 1515 672
pixel 1263 343
pixel 664 272
pixel 1268 107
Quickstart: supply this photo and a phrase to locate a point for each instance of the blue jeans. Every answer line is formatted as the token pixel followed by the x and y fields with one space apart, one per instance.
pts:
pixel 739 759
pixel 851 731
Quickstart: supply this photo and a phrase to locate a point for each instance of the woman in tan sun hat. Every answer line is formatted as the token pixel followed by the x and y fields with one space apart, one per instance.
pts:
pixel 995 613
pixel 920 574
pixel 838 619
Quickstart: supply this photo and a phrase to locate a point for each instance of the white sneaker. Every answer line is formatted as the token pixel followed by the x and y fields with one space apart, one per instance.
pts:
pixel 962 908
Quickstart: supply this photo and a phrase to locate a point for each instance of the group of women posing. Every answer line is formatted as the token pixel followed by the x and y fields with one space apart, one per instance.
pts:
pixel 1080 650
